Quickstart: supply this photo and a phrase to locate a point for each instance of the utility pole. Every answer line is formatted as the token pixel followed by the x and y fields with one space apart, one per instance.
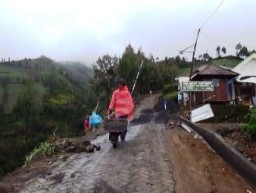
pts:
pixel 194 51
pixel 193 65
pixel 193 55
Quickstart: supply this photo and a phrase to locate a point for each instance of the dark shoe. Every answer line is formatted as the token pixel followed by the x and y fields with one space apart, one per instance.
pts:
pixel 122 139
pixel 114 145
pixel 122 135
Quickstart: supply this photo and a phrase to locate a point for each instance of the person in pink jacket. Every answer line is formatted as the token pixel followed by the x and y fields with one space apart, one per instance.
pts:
pixel 122 103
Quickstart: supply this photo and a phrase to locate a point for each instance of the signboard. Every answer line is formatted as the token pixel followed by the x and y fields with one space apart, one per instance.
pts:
pixel 192 86
pixel 201 113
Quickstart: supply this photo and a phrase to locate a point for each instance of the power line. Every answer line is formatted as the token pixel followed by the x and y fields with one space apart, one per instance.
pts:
pixel 199 30
pixel 184 50
pixel 212 14
pixel 210 37
pixel 194 51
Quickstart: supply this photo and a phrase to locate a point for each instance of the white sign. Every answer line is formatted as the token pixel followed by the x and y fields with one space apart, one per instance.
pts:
pixel 201 113
pixel 197 86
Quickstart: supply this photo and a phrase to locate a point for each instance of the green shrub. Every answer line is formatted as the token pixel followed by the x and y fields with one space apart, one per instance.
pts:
pixel 171 96
pixel 224 113
pixel 250 128
pixel 168 88
pixel 45 149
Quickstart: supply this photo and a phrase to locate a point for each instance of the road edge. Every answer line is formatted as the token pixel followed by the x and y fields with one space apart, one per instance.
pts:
pixel 243 167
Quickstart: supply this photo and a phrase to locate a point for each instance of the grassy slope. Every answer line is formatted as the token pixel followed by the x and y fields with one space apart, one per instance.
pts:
pixel 227 62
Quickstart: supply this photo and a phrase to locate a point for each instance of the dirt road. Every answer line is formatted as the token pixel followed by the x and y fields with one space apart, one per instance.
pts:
pixel 197 168
pixel 154 158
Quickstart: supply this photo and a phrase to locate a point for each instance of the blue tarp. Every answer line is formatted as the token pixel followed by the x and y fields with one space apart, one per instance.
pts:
pixel 95 119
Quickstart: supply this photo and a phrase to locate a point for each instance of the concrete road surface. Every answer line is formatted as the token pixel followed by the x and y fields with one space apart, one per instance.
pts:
pixel 140 164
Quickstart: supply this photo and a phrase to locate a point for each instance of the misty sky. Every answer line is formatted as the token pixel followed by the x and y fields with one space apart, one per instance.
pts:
pixel 81 30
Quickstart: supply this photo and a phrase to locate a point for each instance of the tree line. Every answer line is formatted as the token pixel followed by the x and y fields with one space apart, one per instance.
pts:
pixel 241 50
pixel 153 76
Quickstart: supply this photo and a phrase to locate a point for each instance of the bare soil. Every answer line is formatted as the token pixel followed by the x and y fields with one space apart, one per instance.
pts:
pixel 234 134
pixel 197 168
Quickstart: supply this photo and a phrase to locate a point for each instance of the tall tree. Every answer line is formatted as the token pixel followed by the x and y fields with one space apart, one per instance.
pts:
pixel 148 75
pixel 104 75
pixel 129 65
pixel 178 59
pixel 168 71
pixel 218 51
pixel 206 57
pixel 224 50
pixel 238 48
pixel 243 52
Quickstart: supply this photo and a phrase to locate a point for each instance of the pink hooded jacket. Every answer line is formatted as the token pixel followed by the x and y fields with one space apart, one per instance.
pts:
pixel 122 102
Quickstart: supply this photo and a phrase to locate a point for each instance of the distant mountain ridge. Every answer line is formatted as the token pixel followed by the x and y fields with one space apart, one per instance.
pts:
pixel 14 74
pixel 40 97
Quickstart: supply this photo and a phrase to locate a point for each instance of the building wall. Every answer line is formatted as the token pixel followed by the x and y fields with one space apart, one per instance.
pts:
pixel 220 93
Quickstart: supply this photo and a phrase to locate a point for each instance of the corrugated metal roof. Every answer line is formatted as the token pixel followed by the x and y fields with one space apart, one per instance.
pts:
pixel 210 69
pixel 248 80
pixel 246 67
